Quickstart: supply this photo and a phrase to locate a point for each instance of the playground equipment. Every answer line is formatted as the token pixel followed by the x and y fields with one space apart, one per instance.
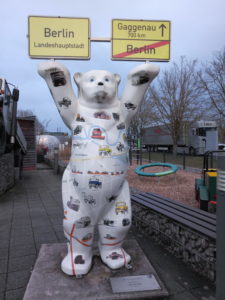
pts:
pixel 205 187
pixel 173 169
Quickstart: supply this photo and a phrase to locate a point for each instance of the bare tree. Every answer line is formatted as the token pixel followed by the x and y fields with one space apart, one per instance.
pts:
pixel 176 98
pixel 142 119
pixel 212 80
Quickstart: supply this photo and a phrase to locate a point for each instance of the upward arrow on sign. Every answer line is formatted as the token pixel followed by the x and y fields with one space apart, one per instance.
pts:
pixel 162 26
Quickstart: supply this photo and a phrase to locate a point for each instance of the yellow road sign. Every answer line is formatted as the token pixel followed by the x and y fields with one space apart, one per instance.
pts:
pixel 58 37
pixel 140 40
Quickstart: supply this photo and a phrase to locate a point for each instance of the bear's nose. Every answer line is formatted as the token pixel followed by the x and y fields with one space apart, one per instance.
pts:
pixel 100 83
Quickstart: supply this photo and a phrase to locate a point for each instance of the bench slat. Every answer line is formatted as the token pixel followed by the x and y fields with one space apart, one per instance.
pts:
pixel 202 212
pixel 178 213
pixel 206 217
pixel 177 216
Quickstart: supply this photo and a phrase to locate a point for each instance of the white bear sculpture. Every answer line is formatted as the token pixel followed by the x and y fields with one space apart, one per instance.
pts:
pixel 94 189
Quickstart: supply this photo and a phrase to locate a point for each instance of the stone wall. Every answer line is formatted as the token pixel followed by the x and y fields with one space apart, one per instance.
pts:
pixel 195 249
pixel 7 176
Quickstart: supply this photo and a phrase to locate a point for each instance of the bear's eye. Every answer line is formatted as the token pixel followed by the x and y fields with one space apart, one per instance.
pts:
pixel 106 79
pixel 92 79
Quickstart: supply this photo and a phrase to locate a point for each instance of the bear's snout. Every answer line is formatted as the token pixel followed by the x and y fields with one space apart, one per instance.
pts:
pixel 100 83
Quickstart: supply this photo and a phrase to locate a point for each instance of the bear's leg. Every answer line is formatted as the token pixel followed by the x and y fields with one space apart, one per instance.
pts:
pixel 78 229
pixel 113 229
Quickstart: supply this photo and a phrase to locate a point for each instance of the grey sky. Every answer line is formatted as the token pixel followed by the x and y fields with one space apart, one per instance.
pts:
pixel 197 31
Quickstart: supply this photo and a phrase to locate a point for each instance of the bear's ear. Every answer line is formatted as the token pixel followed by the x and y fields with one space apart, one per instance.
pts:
pixel 117 77
pixel 77 77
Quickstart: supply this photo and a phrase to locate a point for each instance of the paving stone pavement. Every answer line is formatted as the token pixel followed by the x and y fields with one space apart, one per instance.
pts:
pixel 31 214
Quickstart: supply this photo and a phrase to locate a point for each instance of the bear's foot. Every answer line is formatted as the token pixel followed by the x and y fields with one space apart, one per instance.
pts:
pixel 115 258
pixel 76 264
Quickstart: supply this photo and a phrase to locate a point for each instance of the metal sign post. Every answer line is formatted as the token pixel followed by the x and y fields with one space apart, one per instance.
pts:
pixel 220 229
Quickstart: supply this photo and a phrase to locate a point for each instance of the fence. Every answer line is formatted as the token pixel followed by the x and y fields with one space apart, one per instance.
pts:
pixel 183 160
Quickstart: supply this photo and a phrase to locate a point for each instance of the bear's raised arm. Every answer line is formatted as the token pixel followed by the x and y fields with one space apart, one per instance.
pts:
pixel 58 80
pixel 138 81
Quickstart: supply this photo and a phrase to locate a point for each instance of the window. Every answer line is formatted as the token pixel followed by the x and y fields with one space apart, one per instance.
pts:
pixel 201 132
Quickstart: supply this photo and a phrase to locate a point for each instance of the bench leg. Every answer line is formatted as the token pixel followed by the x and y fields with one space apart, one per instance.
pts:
pixel 203 205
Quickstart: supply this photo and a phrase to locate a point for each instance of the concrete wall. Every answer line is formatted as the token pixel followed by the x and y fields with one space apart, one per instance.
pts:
pixel 7 174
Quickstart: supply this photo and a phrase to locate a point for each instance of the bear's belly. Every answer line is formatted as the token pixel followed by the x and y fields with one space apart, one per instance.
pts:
pixel 99 161
pixel 102 177
pixel 98 182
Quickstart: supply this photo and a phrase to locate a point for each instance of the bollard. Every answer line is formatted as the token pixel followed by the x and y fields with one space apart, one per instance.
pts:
pixel 164 156
pixel 220 228
pixel 149 154
pixel 137 156
pixel 184 160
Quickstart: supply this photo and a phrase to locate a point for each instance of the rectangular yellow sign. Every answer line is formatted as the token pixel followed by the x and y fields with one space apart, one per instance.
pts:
pixel 145 50
pixel 57 37
pixel 140 40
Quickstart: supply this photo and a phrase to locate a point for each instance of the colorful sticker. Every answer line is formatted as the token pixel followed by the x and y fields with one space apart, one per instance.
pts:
pixel 116 116
pixel 94 183
pixel 79 118
pixel 83 222
pixel 121 207
pixel 130 105
pixel 102 115
pixel 97 134
pixel 65 102
pixel 89 199
pixel 120 147
pixel 79 260
pixel 87 237
pixel 77 130
pixel 108 222
pixel 104 150
pixel 121 126
pixel 58 78
pixel 114 255
pixel 73 204
pixel 110 237
pixel 126 222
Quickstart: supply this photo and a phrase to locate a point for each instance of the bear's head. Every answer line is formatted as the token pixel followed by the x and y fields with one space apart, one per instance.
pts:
pixel 97 88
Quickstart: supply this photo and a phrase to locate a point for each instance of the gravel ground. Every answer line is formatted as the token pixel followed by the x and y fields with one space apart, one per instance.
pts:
pixel 179 186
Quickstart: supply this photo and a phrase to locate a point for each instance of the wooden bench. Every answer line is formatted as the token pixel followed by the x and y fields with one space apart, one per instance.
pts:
pixel 193 218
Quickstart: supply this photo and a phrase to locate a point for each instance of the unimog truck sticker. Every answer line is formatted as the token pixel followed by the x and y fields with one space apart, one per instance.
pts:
pixel 65 102
pixel 94 183
pixel 121 207
pixel 73 204
pixel 104 151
